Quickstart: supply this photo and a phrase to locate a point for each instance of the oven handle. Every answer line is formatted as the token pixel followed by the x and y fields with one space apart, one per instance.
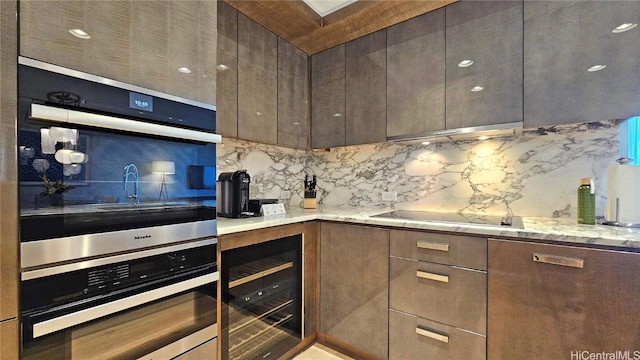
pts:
pixel 66 321
pixel 116 123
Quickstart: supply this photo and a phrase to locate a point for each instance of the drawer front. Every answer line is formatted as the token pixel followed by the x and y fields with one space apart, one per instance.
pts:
pixel 414 338
pixel 465 251
pixel 450 295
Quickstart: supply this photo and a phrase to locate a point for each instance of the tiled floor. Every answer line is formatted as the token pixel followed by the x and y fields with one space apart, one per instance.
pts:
pixel 321 352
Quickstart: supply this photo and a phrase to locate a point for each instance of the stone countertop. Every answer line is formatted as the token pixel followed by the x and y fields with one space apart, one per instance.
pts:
pixel 564 231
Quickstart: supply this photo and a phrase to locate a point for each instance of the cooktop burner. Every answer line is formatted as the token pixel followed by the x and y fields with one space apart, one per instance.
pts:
pixel 460 218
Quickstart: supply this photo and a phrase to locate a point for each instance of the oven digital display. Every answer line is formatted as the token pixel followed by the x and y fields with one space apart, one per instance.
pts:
pixel 140 102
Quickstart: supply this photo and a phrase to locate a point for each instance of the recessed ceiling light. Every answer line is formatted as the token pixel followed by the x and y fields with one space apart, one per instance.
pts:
pixel 596 68
pixel 484 137
pixel 79 33
pixel 258 113
pixel 184 70
pixel 296 123
pixel 465 63
pixel 477 88
pixel 426 142
pixel 222 67
pixel 337 115
pixel 624 27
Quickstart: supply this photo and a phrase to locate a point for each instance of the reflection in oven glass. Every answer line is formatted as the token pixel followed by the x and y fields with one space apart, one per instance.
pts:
pixel 130 334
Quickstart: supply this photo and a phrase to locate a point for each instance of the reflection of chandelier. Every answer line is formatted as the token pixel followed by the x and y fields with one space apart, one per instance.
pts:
pixel 26 153
pixel 41 165
pixel 68 156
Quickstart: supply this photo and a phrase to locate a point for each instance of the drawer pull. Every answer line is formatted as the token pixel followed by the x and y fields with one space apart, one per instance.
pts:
pixel 558 260
pixel 432 276
pixel 432 335
pixel 433 245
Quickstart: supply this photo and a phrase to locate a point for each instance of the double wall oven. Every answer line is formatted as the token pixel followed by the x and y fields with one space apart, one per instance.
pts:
pixel 118 246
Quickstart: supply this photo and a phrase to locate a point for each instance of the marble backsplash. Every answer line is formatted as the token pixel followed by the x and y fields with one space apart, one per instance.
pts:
pixel 532 174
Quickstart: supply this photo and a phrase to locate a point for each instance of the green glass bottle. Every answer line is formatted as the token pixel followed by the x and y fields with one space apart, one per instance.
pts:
pixel 587 202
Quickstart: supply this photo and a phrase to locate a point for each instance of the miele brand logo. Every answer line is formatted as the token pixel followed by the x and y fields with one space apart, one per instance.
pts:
pixel 142 237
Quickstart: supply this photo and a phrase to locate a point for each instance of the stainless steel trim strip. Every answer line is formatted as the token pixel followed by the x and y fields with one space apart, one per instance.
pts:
pixel 498 128
pixel 76 318
pixel 558 260
pixel 117 123
pixel 183 345
pixel 430 245
pixel 106 81
pixel 34 274
pixel 76 248
pixel 432 335
pixel 432 276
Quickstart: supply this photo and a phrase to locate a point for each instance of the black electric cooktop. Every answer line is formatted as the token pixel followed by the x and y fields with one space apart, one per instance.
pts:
pixel 459 218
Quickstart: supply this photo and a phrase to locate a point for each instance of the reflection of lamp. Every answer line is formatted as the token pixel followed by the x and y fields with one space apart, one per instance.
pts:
pixel 165 168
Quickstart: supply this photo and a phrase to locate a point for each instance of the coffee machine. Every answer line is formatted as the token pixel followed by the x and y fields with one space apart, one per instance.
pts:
pixel 233 194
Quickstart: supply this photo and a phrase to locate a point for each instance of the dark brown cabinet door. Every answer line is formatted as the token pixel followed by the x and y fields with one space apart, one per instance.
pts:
pixel 227 71
pixel 328 98
pixel 549 302
pixel 415 75
pixel 489 91
pixel 9 266
pixel 293 96
pixel 139 43
pixel 366 73
pixel 257 82
pixel 563 40
pixel 354 302
pixel 9 340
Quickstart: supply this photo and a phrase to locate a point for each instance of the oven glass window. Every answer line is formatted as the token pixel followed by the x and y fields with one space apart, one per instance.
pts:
pixel 133 333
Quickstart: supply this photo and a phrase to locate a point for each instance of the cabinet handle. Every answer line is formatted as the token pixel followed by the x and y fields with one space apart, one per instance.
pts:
pixel 558 260
pixel 432 276
pixel 432 335
pixel 433 245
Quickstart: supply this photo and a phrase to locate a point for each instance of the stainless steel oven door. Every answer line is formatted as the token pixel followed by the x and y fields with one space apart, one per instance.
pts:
pixel 170 325
pixel 158 318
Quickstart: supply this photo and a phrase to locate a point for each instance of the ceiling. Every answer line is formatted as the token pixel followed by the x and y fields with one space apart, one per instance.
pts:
pixel 302 26
pixel 326 7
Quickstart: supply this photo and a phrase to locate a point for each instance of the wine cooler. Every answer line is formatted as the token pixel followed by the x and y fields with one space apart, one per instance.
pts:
pixel 262 299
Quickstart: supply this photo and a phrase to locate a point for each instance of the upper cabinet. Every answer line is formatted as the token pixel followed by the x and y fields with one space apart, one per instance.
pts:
pixel 263 83
pixel 366 71
pixel 328 98
pixel 348 90
pixel 415 75
pixel 580 63
pixel 293 96
pixel 227 71
pixel 257 82
pixel 483 63
pixel 140 43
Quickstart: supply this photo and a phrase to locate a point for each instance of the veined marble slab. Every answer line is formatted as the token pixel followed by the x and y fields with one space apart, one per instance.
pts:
pixel 565 231
pixel 532 174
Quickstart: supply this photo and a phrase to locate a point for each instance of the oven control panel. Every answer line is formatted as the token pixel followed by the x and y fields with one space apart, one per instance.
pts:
pixel 147 271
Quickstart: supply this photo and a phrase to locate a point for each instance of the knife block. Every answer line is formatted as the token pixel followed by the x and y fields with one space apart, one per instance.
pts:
pixel 309 203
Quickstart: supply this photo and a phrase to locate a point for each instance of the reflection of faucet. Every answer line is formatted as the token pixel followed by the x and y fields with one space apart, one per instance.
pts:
pixel 132 170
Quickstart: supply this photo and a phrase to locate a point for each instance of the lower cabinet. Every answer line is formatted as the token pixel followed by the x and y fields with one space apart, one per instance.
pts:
pixel 560 302
pixel 437 296
pixel 412 337
pixel 354 263
pixel 9 343
pixel 443 293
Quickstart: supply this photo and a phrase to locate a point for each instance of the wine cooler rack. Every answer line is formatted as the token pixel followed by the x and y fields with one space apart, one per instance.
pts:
pixel 261 299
